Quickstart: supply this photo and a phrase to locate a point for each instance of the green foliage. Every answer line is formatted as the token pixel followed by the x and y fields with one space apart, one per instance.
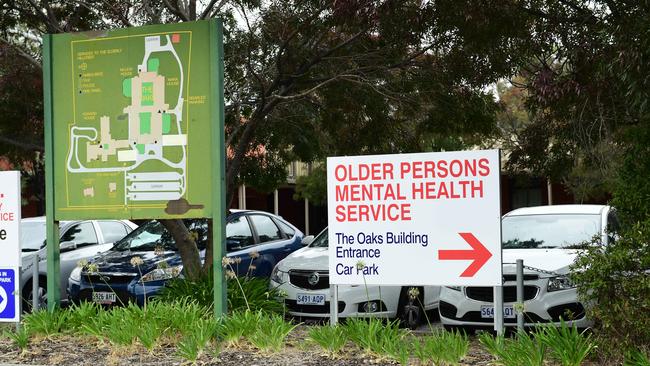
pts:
pixel 80 314
pixel 196 340
pixel 314 185
pixel 272 330
pixel 567 345
pixel 441 348
pixel 238 326
pixel 524 349
pixel 256 293
pixel 148 335
pixel 373 335
pixel 20 338
pixel 636 358
pixel 614 279
pixel 45 322
pixel 331 339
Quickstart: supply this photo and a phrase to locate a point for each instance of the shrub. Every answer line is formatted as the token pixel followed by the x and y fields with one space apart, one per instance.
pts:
pixel 567 344
pixel 254 293
pixel 614 281
pixel 46 323
pixel 272 330
pixel 331 339
pixel 442 348
pixel 373 336
pixel 524 349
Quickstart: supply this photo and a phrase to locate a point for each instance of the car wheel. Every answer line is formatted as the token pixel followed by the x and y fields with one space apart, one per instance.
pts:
pixel 28 296
pixel 409 311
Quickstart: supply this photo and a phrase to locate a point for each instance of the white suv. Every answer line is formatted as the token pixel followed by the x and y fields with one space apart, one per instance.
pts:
pixel 548 239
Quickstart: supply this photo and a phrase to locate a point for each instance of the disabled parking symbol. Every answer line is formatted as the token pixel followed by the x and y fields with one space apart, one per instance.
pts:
pixel 7 298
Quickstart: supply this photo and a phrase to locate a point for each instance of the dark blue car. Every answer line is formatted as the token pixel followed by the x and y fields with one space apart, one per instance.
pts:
pixel 146 259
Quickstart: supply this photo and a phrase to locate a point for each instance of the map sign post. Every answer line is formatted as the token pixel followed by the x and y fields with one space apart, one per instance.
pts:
pixel 429 219
pixel 134 126
pixel 10 214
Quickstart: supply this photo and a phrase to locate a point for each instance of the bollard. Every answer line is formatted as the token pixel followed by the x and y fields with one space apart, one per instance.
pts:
pixel 35 295
pixel 520 294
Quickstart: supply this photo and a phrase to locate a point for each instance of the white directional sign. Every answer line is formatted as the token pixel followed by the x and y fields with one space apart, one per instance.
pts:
pixel 9 246
pixel 415 219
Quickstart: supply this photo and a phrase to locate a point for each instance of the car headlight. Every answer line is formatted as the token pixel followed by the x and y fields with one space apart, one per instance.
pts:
pixel 161 274
pixel 456 288
pixel 278 276
pixel 560 283
pixel 75 275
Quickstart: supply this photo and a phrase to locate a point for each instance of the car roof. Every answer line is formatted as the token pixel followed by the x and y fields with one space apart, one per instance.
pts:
pixel 558 210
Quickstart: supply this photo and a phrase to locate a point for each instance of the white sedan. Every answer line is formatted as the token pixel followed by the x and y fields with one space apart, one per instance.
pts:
pixel 303 278
pixel 548 239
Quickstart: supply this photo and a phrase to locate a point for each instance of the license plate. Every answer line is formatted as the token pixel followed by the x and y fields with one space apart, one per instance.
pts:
pixel 104 297
pixel 487 312
pixel 309 299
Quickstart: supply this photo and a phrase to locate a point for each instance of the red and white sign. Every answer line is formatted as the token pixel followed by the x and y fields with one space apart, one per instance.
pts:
pixel 415 219
pixel 10 215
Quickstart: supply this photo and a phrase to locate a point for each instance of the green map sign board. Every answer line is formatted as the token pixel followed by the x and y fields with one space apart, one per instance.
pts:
pixel 133 118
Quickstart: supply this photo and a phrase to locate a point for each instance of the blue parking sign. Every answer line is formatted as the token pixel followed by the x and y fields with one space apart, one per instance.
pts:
pixel 7 297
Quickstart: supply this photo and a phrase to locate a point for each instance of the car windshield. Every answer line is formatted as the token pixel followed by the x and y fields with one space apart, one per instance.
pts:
pixel 32 235
pixel 153 234
pixel 320 241
pixel 549 231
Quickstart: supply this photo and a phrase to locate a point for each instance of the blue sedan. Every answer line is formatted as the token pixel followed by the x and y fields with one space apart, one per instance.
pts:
pixel 140 264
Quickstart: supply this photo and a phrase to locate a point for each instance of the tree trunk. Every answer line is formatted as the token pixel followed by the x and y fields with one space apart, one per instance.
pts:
pixel 207 263
pixel 186 247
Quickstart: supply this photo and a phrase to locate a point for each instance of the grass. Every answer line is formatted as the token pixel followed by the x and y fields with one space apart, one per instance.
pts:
pixel 567 345
pixel 272 331
pixel 20 338
pixel 523 349
pixel 373 336
pixel 330 339
pixel 238 326
pixel 441 348
pixel 191 330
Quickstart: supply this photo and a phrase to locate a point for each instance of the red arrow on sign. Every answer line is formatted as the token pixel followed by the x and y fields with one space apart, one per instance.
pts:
pixel 478 254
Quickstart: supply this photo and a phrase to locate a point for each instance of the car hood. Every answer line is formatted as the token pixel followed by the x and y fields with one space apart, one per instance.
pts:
pixel 552 260
pixel 307 258
pixel 120 261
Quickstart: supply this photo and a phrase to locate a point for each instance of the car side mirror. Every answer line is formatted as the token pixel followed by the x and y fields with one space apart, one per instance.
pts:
pixel 307 240
pixel 67 246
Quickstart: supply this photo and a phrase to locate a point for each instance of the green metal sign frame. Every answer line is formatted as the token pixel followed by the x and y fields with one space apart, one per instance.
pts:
pixel 119 145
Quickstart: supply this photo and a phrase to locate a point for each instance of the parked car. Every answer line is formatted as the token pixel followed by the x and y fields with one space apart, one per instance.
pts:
pixel 548 239
pixel 256 237
pixel 304 278
pixel 77 240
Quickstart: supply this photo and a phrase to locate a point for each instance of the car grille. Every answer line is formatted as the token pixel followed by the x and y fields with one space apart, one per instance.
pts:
pixel 449 311
pixel 292 305
pixel 300 278
pixel 97 278
pixel 513 278
pixel 509 293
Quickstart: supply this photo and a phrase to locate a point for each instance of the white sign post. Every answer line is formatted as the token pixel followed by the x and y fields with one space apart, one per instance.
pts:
pixel 415 219
pixel 10 215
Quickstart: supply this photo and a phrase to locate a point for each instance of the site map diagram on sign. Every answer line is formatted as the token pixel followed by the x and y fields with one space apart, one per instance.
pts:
pixel 139 112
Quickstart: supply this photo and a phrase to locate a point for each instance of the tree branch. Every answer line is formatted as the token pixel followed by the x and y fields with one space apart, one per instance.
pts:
pixel 22 53
pixel 28 146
